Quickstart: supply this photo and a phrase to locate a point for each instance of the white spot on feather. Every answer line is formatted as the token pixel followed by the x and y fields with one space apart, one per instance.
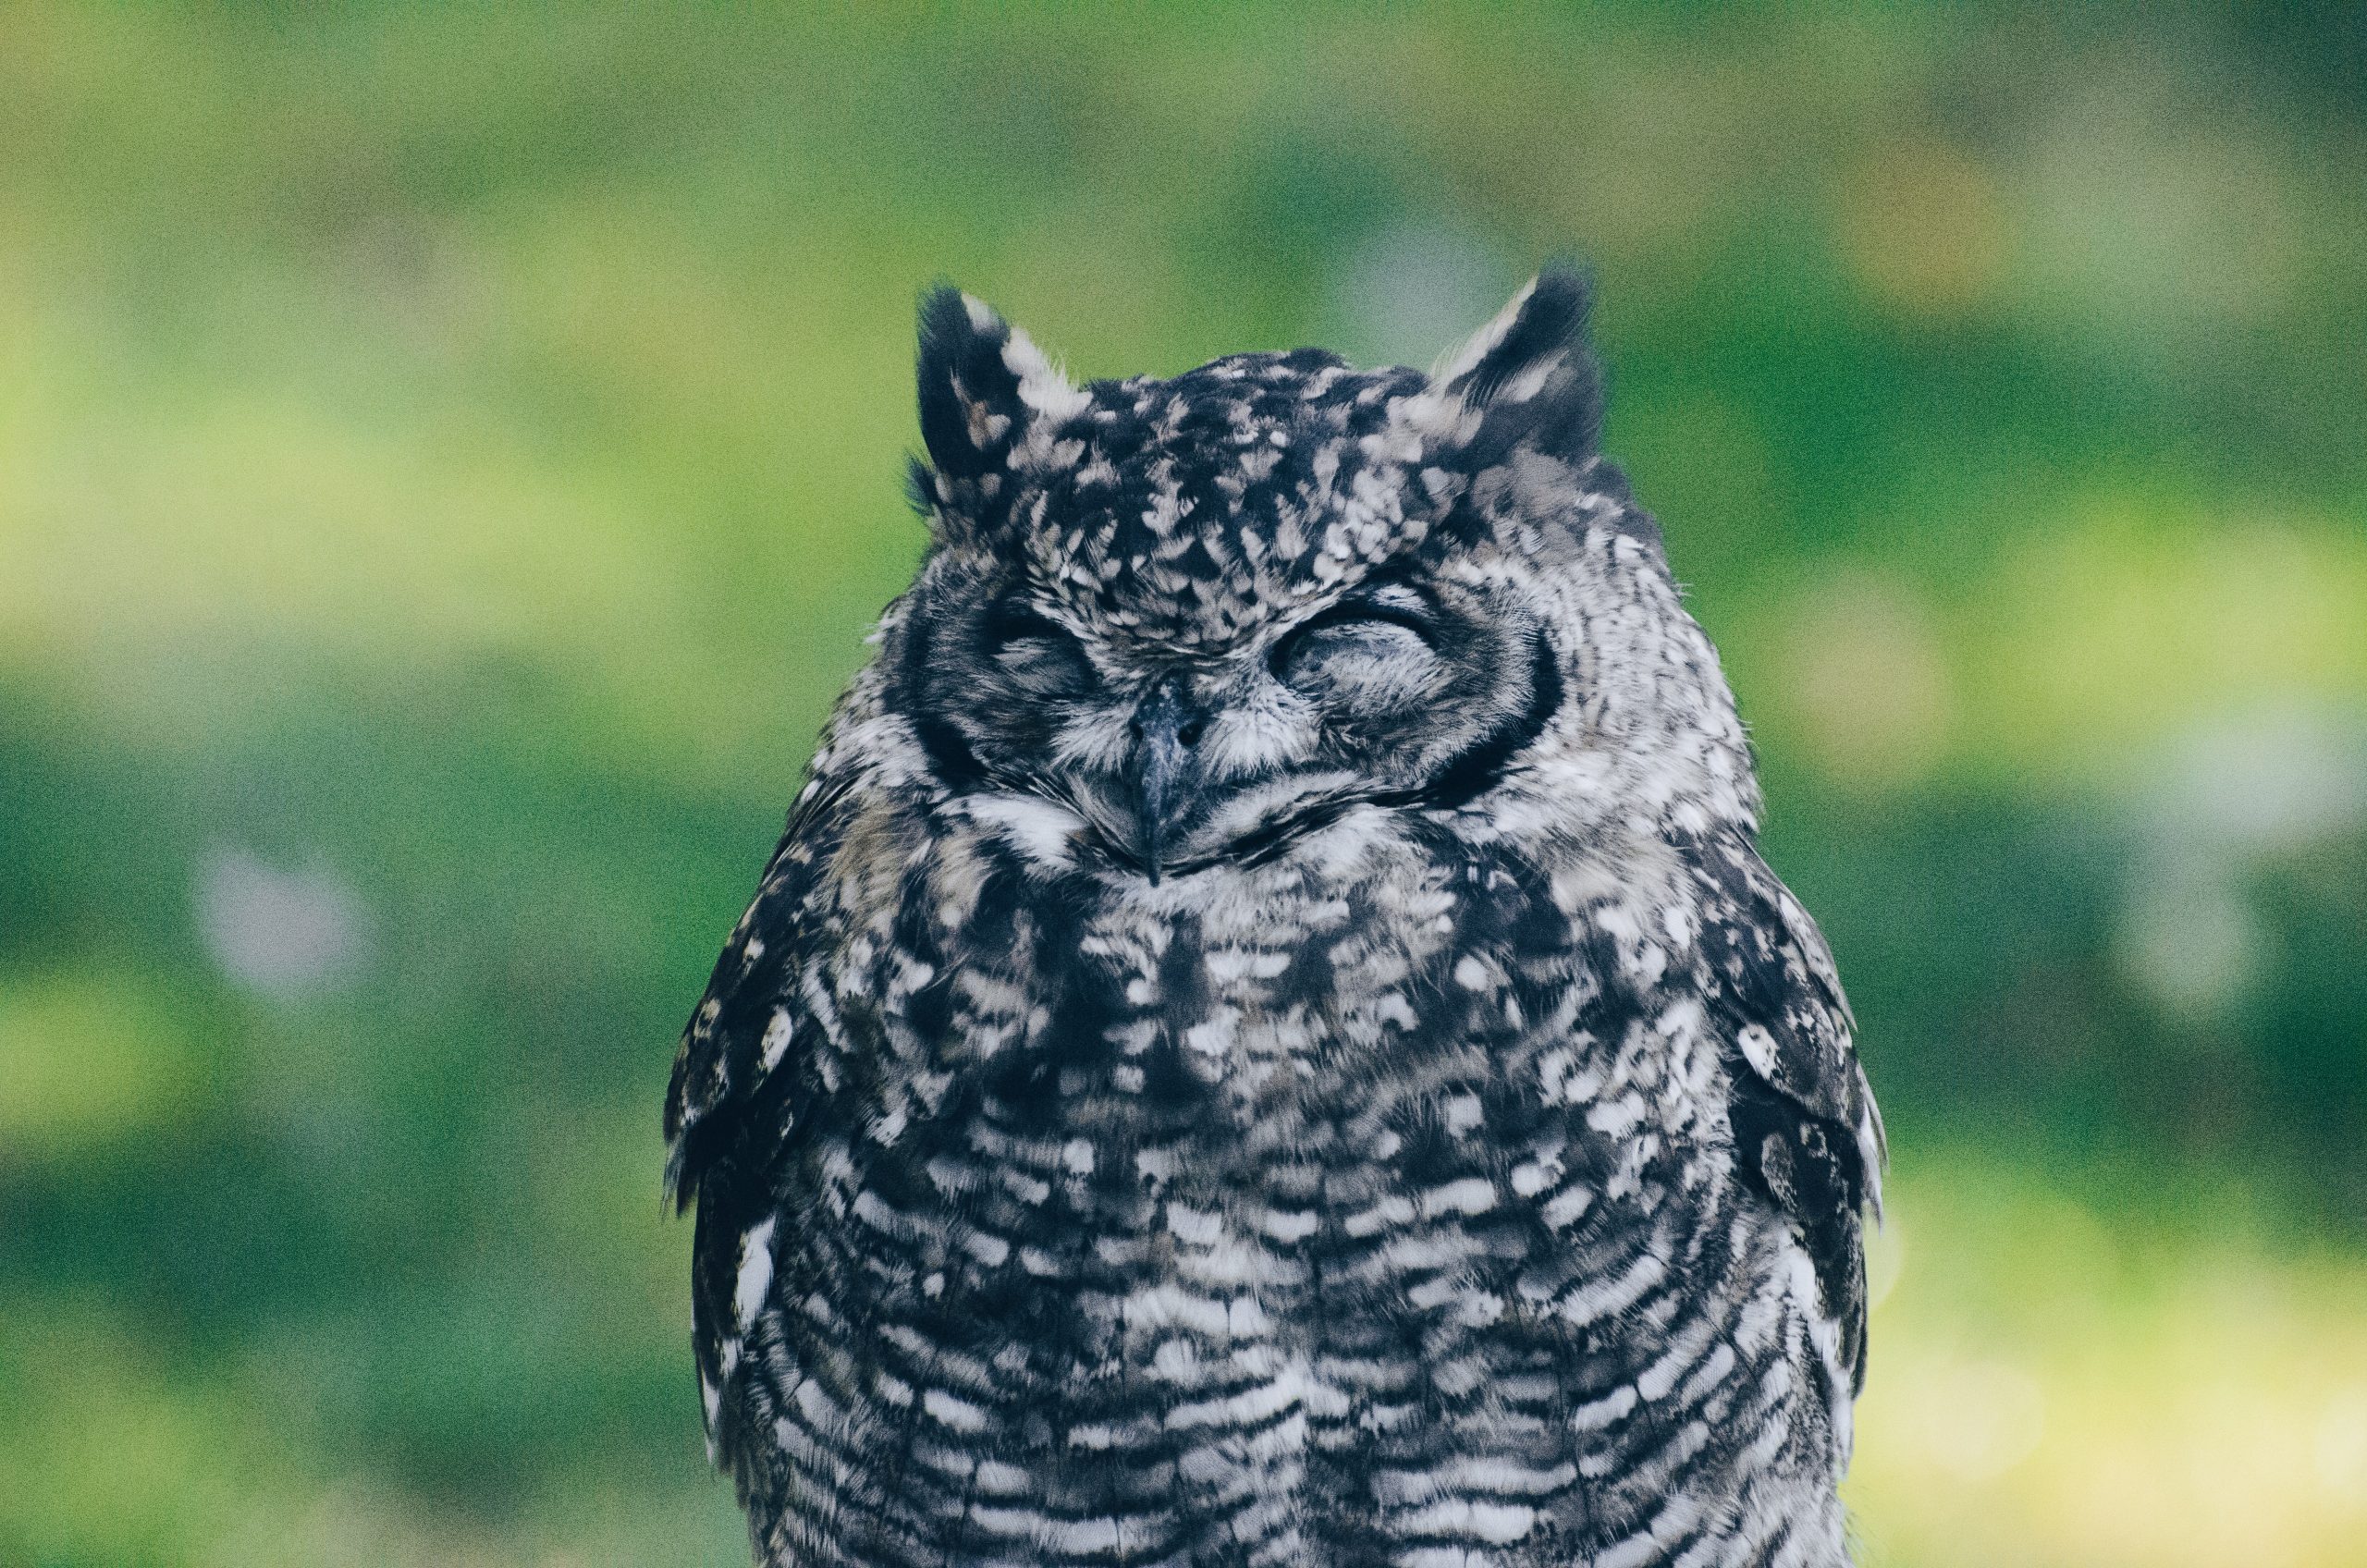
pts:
pixel 755 1273
pixel 957 1414
pixel 1758 1049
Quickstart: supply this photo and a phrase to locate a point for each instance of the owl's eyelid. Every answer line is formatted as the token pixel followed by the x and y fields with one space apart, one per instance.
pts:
pixel 1395 593
pixel 1414 617
pixel 1363 610
pixel 1007 622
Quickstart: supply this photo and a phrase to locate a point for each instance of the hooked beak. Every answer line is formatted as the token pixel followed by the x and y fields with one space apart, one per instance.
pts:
pixel 1167 769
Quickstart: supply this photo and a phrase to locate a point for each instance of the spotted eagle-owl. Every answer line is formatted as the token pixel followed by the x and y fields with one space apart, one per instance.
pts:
pixel 1268 1039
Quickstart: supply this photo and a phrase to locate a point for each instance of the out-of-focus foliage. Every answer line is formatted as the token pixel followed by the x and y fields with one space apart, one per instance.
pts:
pixel 449 457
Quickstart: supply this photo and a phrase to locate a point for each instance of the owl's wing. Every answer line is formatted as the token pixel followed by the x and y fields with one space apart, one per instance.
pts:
pixel 738 1069
pixel 751 1073
pixel 1805 1125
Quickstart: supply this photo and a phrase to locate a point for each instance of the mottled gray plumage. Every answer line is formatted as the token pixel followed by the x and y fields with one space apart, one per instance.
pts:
pixel 1268 1039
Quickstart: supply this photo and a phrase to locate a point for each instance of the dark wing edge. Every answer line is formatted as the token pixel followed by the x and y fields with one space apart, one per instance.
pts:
pixel 724 1049
pixel 745 1078
pixel 1806 1128
pixel 738 1046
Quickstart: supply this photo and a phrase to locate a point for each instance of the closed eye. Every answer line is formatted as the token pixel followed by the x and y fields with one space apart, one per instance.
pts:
pixel 1394 608
pixel 1011 622
pixel 1040 656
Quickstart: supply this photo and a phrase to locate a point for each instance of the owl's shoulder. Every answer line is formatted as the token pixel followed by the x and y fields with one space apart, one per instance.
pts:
pixel 1806 1134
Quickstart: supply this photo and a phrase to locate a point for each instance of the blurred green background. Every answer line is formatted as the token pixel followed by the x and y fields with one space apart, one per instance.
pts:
pixel 450 457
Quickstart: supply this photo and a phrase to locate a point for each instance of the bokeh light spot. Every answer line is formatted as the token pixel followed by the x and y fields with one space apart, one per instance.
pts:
pixel 281 932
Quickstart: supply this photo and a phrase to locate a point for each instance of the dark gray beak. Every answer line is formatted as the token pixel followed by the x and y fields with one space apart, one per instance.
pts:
pixel 1166 768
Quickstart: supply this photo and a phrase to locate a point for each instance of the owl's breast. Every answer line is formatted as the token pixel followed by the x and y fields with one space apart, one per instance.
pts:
pixel 1237 987
pixel 1236 1207
pixel 1079 1091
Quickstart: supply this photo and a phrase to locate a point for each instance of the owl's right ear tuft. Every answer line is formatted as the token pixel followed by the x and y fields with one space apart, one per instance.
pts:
pixel 1528 378
pixel 982 386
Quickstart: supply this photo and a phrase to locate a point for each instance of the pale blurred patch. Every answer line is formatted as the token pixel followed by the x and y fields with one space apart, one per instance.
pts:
pixel 1923 228
pixel 2050 1388
pixel 2207 807
pixel 2266 779
pixel 1413 291
pixel 278 930
pixel 2342 1445
pixel 2106 634
pixel 2190 938
pixel 1975 1420
pixel 1866 681
pixel 2155 206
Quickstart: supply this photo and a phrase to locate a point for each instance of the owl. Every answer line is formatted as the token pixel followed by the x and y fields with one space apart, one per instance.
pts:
pixel 1268 1039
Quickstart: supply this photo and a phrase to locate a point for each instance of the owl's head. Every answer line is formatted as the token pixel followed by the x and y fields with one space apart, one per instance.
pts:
pixel 1169 624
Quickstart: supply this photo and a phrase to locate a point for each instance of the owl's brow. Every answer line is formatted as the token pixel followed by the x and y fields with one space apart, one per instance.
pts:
pixel 1405 571
pixel 1363 597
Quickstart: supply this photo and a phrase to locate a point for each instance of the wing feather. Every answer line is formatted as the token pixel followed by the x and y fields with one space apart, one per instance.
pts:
pixel 745 1031
pixel 1806 1127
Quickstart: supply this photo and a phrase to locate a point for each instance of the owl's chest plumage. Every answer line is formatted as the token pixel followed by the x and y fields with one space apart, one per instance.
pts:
pixel 1306 1213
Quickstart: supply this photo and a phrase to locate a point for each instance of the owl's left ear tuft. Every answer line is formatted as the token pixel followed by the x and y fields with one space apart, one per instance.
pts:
pixel 982 383
pixel 1527 378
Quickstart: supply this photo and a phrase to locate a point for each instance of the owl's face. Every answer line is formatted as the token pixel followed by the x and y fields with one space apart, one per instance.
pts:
pixel 1184 622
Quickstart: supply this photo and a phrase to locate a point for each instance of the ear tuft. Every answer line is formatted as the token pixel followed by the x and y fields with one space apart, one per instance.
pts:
pixel 981 385
pixel 1528 378
pixel 969 399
